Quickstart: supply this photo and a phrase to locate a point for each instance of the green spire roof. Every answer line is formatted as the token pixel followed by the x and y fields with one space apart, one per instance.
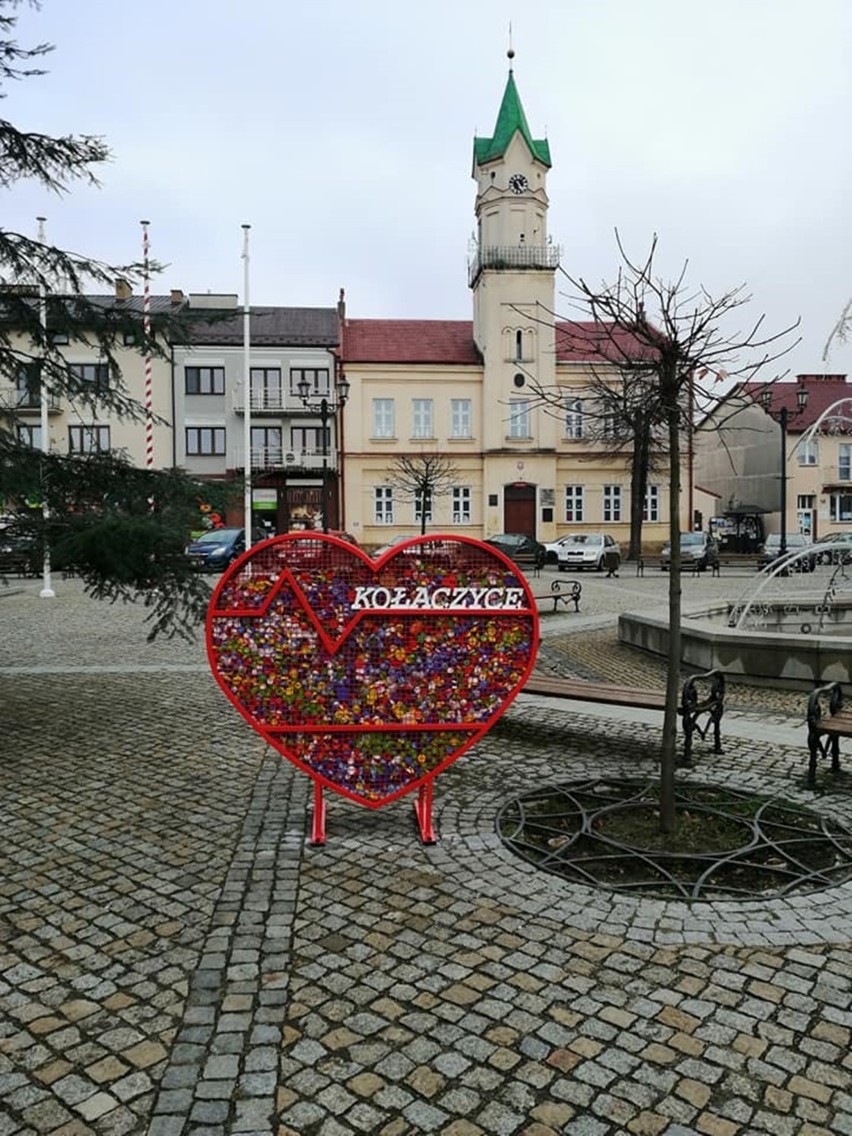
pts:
pixel 510 119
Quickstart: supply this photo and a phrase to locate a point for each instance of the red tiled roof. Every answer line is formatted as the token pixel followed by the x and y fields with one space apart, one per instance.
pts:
pixel 409 341
pixel 823 390
pixel 451 342
pixel 586 340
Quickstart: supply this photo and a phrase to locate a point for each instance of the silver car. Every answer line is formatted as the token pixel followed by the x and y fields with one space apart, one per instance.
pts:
pixel 593 550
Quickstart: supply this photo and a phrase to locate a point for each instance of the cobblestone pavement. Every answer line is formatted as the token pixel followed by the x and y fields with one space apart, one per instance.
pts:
pixel 176 958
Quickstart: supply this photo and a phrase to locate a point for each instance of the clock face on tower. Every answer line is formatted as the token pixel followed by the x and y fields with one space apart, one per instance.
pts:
pixel 518 183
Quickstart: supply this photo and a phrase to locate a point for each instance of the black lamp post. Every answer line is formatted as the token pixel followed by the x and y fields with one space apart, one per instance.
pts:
pixel 782 416
pixel 326 408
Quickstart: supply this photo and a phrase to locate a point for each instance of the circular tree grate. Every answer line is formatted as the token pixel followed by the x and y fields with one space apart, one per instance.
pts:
pixel 728 844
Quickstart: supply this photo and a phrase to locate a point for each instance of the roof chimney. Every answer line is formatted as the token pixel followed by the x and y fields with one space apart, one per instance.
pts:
pixel 341 306
pixel 123 291
pixel 176 296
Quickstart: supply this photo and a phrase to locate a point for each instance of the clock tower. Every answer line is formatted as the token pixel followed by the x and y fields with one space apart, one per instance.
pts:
pixel 511 273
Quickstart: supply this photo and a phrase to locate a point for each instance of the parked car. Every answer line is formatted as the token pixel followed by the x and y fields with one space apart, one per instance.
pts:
pixel 835 548
pixel 551 548
pixel 19 554
pixel 524 550
pixel 697 550
pixel 592 550
pixel 213 551
pixel 796 542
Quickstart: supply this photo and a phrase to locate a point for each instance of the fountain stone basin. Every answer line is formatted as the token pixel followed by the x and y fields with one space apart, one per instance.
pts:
pixel 787 651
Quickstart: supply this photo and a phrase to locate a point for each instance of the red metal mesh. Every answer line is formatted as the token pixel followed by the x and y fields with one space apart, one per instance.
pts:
pixel 371 675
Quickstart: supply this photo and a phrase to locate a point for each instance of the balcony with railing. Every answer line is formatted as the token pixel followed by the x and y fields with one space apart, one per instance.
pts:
pixel 25 401
pixel 272 400
pixel 278 460
pixel 513 257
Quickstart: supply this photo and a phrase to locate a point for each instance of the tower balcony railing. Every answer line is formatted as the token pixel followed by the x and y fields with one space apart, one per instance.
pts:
pixel 515 257
pixel 277 459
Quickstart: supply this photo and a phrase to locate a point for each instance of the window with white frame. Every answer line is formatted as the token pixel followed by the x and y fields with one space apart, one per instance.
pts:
pixel 461 505
pixel 609 426
pixel 519 418
pixel 383 500
pixel 651 511
pixel 461 418
pixel 88 439
pixel 574 418
pixel 205 441
pixel 422 418
pixel 383 418
pixel 611 503
pixel 840 506
pixel 844 462
pixel 423 506
pixel 574 502
pixel 808 452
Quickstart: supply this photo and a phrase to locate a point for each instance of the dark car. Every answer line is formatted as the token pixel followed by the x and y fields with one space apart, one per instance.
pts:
pixel 19 554
pixel 524 550
pixel 799 561
pixel 213 551
pixel 698 550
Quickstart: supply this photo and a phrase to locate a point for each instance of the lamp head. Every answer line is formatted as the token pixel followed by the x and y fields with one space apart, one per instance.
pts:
pixel 303 387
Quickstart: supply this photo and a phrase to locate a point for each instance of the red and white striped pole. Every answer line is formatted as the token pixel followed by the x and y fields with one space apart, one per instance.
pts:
pixel 146 331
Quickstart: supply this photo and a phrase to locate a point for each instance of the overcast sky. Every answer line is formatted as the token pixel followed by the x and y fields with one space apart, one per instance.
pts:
pixel 342 132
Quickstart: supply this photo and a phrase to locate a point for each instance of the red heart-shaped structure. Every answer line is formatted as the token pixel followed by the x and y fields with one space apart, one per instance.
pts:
pixel 371 675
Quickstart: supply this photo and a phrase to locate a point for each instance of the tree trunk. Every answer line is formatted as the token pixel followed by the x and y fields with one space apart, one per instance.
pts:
pixel 638 484
pixel 668 754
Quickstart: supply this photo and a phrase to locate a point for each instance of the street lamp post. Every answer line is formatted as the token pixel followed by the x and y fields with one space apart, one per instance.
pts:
pixel 782 416
pixel 326 409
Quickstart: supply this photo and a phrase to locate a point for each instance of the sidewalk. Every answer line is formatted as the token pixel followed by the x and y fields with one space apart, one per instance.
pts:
pixel 175 958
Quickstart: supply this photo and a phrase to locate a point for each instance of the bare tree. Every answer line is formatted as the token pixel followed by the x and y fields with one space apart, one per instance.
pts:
pixel 661 336
pixel 617 417
pixel 421 478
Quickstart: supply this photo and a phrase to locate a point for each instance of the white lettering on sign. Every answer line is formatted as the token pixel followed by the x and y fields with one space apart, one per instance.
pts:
pixel 377 598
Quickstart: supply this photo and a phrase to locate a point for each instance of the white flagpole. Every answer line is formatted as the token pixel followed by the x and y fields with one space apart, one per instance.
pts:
pixel 146 332
pixel 47 591
pixel 247 502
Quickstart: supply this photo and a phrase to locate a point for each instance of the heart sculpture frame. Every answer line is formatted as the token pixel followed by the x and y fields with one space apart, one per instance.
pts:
pixel 372 675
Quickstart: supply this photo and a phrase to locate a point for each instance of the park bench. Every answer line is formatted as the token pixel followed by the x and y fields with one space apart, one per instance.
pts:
pixel 828 722
pixel 566 593
pixel 701 706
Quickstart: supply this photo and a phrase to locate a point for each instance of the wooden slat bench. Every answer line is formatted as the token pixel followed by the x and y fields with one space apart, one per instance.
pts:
pixel 701 706
pixel 828 722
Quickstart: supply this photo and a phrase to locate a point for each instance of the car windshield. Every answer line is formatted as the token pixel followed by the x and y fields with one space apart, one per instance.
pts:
pixel 689 539
pixel 218 536
pixel 510 538
pixel 794 540
pixel 585 538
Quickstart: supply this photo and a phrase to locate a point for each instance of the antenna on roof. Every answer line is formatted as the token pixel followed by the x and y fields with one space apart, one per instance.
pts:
pixel 511 52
